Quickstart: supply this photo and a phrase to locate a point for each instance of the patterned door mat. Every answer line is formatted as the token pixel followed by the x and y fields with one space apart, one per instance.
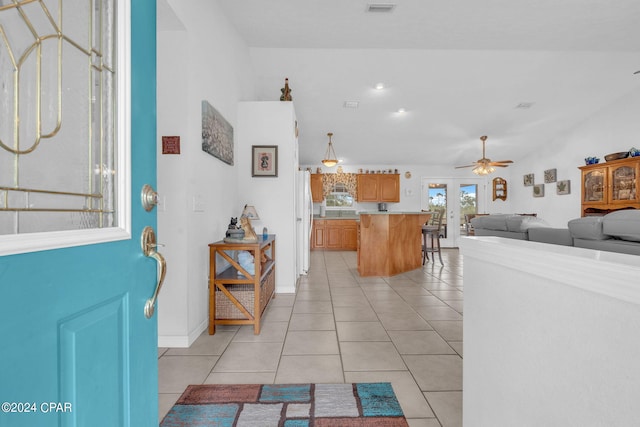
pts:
pixel 287 405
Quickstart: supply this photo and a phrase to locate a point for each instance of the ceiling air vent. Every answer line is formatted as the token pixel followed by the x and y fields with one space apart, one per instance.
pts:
pixel 351 104
pixel 380 7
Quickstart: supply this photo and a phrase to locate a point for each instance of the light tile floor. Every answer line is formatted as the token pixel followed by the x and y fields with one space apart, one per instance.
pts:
pixel 341 327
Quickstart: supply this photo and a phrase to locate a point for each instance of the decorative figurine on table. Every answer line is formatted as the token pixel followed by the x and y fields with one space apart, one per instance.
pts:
pixel 234 232
pixel 250 236
pixel 286 91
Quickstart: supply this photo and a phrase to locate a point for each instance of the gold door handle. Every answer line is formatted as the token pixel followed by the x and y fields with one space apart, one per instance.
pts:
pixel 149 245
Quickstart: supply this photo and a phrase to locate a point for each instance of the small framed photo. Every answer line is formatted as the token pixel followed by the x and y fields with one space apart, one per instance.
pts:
pixel 549 176
pixel 264 160
pixel 538 190
pixel 528 180
pixel 563 187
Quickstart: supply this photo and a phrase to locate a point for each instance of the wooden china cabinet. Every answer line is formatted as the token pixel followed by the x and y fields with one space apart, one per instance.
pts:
pixel 610 186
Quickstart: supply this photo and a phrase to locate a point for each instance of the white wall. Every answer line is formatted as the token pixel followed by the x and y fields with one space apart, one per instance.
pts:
pixel 612 129
pixel 200 57
pixel 271 123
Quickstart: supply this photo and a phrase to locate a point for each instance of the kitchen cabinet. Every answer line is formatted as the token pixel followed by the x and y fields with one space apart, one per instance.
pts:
pixel 610 186
pixel 316 188
pixel 390 243
pixel 335 234
pixel 317 234
pixel 378 187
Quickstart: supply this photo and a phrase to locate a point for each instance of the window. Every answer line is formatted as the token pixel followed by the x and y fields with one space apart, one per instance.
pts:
pixel 63 124
pixel 339 197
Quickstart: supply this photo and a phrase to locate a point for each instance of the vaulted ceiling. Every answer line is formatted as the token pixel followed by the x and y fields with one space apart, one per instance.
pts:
pixel 520 71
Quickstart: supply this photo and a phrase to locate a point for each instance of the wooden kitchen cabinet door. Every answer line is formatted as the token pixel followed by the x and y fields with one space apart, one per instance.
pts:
pixel 316 188
pixel 367 188
pixel 389 188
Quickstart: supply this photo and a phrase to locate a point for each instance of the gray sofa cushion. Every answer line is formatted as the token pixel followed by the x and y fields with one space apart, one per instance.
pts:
pixel 490 222
pixel 611 245
pixel 500 233
pixel 623 225
pixel 520 223
pixel 556 236
pixel 588 227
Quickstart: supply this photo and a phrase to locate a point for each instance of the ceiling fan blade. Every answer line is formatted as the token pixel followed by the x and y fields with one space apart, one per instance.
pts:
pixel 498 165
pixel 503 161
pixel 467 166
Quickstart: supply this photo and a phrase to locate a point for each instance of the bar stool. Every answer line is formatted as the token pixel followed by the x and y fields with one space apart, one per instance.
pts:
pixel 431 237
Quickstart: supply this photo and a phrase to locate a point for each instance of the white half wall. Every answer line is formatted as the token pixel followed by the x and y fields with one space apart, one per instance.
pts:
pixel 549 335
pixel 271 123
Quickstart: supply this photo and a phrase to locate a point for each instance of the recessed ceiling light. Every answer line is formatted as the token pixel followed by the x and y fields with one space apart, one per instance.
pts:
pixel 401 110
pixel 351 104
pixel 379 86
pixel 380 7
pixel 525 105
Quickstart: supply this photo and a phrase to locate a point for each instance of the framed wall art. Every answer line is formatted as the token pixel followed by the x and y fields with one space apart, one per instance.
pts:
pixel 563 187
pixel 549 176
pixel 538 190
pixel 264 160
pixel 217 134
pixel 527 180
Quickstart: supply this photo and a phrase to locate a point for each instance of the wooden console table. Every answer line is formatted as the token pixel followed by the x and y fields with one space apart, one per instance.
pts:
pixel 235 296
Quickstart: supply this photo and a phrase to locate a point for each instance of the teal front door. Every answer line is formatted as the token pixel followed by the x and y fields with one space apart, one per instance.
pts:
pixel 76 347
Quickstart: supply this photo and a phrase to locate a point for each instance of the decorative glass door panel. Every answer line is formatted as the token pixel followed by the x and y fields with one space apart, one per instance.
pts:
pixel 623 184
pixel 468 205
pixel 594 184
pixel 58 87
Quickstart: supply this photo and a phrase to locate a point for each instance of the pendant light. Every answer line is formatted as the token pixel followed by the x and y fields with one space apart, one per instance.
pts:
pixel 330 158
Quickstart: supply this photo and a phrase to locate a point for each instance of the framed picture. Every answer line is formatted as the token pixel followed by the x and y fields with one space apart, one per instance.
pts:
pixel 549 176
pixel 264 160
pixel 528 180
pixel 563 187
pixel 538 190
pixel 217 134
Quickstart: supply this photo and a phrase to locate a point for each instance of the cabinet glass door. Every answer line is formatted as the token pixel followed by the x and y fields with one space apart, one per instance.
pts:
pixel 623 184
pixel 594 183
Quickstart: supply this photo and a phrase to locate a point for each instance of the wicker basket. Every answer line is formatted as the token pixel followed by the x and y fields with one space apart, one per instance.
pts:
pixel 226 309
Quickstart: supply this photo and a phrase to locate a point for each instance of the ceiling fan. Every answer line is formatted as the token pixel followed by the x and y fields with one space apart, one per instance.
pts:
pixel 485 166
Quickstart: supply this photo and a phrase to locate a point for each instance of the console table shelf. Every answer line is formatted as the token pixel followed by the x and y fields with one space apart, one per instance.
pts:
pixel 235 296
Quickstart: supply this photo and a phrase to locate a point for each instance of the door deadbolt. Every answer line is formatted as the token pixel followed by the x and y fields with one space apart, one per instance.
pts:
pixel 149 197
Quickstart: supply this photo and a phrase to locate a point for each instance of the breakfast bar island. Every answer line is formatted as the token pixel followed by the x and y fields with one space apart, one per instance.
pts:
pixel 390 243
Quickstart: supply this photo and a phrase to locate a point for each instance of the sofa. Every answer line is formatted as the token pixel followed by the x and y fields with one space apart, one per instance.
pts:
pixel 617 231
pixel 512 226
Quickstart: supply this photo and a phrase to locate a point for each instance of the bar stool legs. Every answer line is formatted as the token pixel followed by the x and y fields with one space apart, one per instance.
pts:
pixel 431 244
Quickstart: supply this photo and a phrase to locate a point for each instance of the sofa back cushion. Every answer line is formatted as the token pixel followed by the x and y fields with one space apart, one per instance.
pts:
pixel 521 223
pixel 490 222
pixel 623 225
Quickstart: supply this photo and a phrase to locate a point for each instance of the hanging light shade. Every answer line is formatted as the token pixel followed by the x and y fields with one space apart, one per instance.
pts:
pixel 330 158
pixel 483 169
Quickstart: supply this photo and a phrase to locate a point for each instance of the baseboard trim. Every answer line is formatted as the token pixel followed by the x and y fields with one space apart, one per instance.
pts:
pixel 182 341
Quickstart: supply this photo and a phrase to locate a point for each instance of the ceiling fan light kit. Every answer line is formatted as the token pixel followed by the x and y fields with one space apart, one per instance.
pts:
pixel 330 158
pixel 485 166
